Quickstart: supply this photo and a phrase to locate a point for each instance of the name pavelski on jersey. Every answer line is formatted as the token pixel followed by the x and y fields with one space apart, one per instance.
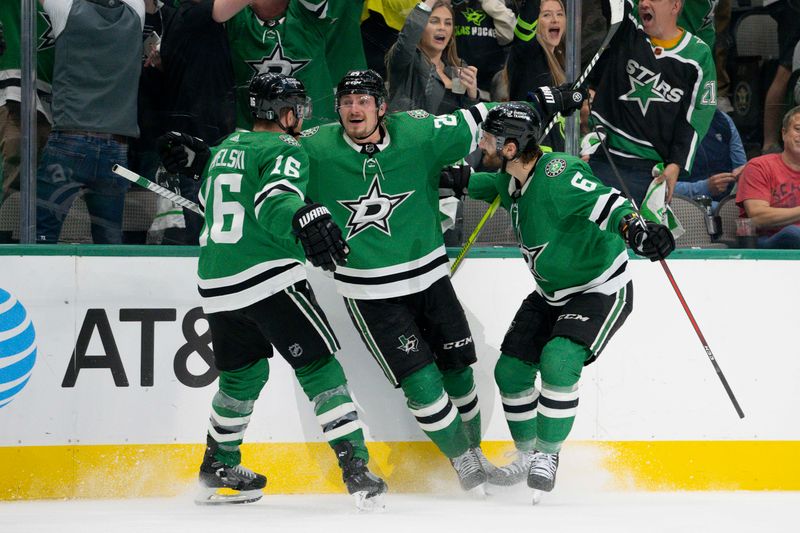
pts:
pixel 372 210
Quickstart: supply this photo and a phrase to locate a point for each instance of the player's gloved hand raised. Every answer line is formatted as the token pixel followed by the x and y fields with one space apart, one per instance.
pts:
pixel 455 177
pixel 651 240
pixel 562 99
pixel 183 154
pixel 322 239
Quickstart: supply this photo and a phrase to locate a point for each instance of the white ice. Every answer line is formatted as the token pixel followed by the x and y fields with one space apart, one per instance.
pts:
pixel 561 512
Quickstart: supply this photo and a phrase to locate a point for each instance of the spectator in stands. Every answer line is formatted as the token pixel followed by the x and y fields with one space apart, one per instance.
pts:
pixel 788 17
pixel 655 96
pixel 383 20
pixel 98 60
pixel 282 37
pixel 425 71
pixel 719 161
pixel 537 57
pixel 483 28
pixel 198 94
pixel 769 190
pixel 10 98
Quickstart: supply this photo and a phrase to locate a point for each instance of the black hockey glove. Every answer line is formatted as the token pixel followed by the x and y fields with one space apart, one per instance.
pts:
pixel 562 99
pixel 322 239
pixel 455 177
pixel 650 240
pixel 183 154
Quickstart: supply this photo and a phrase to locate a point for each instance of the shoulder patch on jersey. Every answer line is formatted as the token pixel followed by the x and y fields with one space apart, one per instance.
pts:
pixel 234 139
pixel 288 139
pixel 418 113
pixel 309 132
pixel 554 167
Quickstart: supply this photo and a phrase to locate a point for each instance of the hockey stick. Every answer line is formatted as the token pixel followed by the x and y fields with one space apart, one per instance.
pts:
pixel 486 216
pixel 156 188
pixel 617 14
pixel 674 284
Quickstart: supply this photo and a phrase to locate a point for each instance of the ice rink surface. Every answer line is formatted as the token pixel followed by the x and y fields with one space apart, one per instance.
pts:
pixel 561 512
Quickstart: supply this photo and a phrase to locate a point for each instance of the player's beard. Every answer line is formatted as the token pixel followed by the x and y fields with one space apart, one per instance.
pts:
pixel 491 161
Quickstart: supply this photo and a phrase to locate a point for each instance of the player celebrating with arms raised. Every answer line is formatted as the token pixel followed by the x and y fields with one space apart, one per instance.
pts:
pixel 572 231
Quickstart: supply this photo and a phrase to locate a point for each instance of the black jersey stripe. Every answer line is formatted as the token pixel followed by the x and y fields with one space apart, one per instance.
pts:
pixel 466 408
pixel 390 278
pixel 246 284
pixel 263 196
pixel 607 208
pixel 341 421
pixel 616 273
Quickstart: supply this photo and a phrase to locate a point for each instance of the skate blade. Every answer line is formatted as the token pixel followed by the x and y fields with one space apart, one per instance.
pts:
pixel 364 504
pixel 478 492
pixel 213 496
pixel 536 497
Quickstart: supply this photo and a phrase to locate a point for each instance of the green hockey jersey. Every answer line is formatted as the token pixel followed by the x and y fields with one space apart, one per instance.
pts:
pixel 566 222
pixel 293 44
pixel 656 100
pixel 697 16
pixel 255 182
pixel 387 202
pixel 10 61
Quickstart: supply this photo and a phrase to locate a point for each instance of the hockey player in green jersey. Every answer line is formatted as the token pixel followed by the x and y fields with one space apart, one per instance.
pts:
pixel 379 176
pixel 572 231
pixel 254 289
pixel 287 37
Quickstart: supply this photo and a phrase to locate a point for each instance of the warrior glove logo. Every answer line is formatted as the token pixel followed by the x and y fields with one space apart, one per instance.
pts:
pixel 372 209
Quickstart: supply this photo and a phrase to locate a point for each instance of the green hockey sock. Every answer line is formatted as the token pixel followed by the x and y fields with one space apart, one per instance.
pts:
pixel 515 378
pixel 460 386
pixel 434 411
pixel 232 407
pixel 561 365
pixel 325 384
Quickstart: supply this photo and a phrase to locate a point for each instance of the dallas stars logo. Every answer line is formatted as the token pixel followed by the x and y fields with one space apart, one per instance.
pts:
pixel 474 16
pixel 555 167
pixel 372 210
pixel 408 344
pixel 46 39
pixel 277 63
pixel 644 92
pixel 531 255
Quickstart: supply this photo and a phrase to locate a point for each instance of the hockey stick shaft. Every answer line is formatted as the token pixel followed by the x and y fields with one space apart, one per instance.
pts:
pixel 156 188
pixel 677 289
pixel 617 13
pixel 486 216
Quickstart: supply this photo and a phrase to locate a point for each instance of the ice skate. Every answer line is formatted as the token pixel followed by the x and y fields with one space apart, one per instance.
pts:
pixel 542 474
pixel 366 488
pixel 470 472
pixel 514 472
pixel 222 484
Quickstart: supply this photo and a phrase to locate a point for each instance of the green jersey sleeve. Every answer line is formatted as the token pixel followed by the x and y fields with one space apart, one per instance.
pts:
pixel 281 190
pixel 487 186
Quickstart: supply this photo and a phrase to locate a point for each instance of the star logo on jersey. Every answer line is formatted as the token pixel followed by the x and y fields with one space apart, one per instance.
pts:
pixel 531 254
pixel 474 16
pixel 372 210
pixel 277 63
pixel 46 39
pixel 644 92
pixel 555 167
pixel 408 344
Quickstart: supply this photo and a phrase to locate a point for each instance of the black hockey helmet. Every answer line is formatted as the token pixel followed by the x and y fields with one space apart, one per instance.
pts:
pixel 514 121
pixel 270 93
pixel 362 82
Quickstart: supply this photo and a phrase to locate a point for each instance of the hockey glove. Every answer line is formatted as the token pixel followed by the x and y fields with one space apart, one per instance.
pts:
pixel 455 177
pixel 562 99
pixel 183 154
pixel 649 239
pixel 322 239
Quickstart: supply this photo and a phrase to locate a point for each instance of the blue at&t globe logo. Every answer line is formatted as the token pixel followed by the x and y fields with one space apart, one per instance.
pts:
pixel 17 347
